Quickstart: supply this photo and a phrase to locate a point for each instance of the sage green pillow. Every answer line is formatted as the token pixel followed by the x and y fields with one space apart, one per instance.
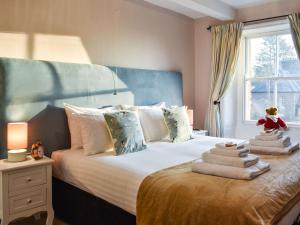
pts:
pixel 177 121
pixel 126 132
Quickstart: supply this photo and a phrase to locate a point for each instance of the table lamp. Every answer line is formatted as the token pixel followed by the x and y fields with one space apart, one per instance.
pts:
pixel 16 142
pixel 190 113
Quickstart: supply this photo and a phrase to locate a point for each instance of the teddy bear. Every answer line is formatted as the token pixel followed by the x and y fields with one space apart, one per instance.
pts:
pixel 272 120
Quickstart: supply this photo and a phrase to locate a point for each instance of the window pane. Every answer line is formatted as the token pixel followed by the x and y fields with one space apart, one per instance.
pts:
pixel 260 95
pixel 262 56
pixel 288 100
pixel 289 65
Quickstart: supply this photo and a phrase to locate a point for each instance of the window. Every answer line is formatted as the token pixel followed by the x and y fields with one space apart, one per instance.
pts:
pixel 272 75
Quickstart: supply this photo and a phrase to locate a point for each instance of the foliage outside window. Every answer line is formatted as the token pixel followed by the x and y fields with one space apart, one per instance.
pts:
pixel 272 76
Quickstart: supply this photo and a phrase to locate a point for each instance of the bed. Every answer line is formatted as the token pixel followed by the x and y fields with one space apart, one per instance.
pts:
pixel 117 179
pixel 99 189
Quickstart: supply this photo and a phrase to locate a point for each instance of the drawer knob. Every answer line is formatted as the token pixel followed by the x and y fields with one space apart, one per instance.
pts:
pixel 29 201
pixel 29 179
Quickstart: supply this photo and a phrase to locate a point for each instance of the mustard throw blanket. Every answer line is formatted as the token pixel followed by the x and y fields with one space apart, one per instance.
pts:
pixel 177 196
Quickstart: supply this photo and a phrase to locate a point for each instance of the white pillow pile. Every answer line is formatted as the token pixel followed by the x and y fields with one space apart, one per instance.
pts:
pixel 90 132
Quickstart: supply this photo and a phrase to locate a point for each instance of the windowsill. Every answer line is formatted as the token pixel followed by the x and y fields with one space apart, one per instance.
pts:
pixel 249 122
pixel 289 124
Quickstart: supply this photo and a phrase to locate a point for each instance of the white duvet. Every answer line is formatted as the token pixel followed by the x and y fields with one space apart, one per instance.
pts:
pixel 116 179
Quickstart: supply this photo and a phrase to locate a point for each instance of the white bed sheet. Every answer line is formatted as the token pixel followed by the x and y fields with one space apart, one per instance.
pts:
pixel 116 179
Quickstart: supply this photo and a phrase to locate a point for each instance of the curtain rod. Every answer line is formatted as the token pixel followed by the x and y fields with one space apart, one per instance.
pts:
pixel 258 20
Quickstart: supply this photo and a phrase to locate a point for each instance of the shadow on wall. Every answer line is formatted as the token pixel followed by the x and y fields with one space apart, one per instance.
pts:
pixel 62 48
pixel 57 48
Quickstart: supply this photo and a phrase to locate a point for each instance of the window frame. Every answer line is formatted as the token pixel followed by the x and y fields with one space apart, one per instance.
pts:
pixel 246 74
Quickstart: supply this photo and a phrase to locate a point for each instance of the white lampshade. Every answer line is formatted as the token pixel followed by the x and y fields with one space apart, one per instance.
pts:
pixel 16 135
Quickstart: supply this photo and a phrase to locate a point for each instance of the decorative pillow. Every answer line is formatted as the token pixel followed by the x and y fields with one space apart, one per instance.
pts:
pixel 177 121
pixel 126 132
pixel 95 134
pixel 153 123
pixel 74 124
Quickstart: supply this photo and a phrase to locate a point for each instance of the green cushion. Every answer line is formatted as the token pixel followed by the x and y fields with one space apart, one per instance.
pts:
pixel 126 132
pixel 177 121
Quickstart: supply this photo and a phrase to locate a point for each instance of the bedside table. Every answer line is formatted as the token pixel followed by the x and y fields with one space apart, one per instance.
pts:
pixel 25 189
pixel 200 133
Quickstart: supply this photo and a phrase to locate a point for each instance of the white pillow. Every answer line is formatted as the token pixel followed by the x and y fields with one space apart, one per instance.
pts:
pixel 74 124
pixel 153 123
pixel 95 134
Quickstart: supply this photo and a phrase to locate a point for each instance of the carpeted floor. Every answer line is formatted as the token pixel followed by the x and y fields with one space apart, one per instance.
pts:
pixel 32 221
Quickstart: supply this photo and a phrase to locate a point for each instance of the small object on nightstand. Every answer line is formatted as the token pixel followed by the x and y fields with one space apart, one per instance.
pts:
pixel 200 132
pixel 25 189
pixel 16 142
pixel 37 150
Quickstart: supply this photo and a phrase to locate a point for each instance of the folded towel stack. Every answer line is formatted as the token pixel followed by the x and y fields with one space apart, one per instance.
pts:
pixel 231 162
pixel 272 143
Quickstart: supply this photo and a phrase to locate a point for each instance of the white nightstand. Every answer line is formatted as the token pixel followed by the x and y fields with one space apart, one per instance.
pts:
pixel 200 132
pixel 25 189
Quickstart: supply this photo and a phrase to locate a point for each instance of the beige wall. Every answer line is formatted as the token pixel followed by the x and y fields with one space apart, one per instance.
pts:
pixel 203 47
pixel 202 68
pixel 127 33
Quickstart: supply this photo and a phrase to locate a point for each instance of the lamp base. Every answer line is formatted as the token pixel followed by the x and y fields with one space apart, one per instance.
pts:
pixel 17 155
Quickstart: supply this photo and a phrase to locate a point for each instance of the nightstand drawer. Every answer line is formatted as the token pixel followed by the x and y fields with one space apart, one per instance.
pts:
pixel 23 179
pixel 33 199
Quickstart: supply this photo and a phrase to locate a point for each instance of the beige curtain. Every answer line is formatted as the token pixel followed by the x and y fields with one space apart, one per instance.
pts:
pixel 295 29
pixel 225 47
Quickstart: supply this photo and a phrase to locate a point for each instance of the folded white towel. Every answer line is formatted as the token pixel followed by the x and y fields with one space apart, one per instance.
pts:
pixel 223 145
pixel 269 137
pixel 231 172
pixel 273 132
pixel 285 141
pixel 274 150
pixel 247 161
pixel 228 152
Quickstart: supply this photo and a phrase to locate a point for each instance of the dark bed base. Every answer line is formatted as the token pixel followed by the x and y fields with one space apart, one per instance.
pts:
pixel 297 222
pixel 77 207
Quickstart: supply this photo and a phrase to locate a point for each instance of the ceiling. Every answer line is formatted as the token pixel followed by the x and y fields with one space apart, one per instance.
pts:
pixel 219 9
pixel 246 3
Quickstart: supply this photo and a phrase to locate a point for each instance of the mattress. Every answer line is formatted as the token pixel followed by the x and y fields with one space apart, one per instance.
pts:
pixel 116 179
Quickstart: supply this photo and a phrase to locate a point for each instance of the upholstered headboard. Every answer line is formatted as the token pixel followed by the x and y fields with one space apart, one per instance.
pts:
pixel 35 91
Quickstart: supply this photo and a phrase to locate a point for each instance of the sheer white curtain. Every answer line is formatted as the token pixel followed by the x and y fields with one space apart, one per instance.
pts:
pixel 295 30
pixel 225 48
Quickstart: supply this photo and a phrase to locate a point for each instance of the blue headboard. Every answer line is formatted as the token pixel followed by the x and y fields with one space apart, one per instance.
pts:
pixel 35 91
